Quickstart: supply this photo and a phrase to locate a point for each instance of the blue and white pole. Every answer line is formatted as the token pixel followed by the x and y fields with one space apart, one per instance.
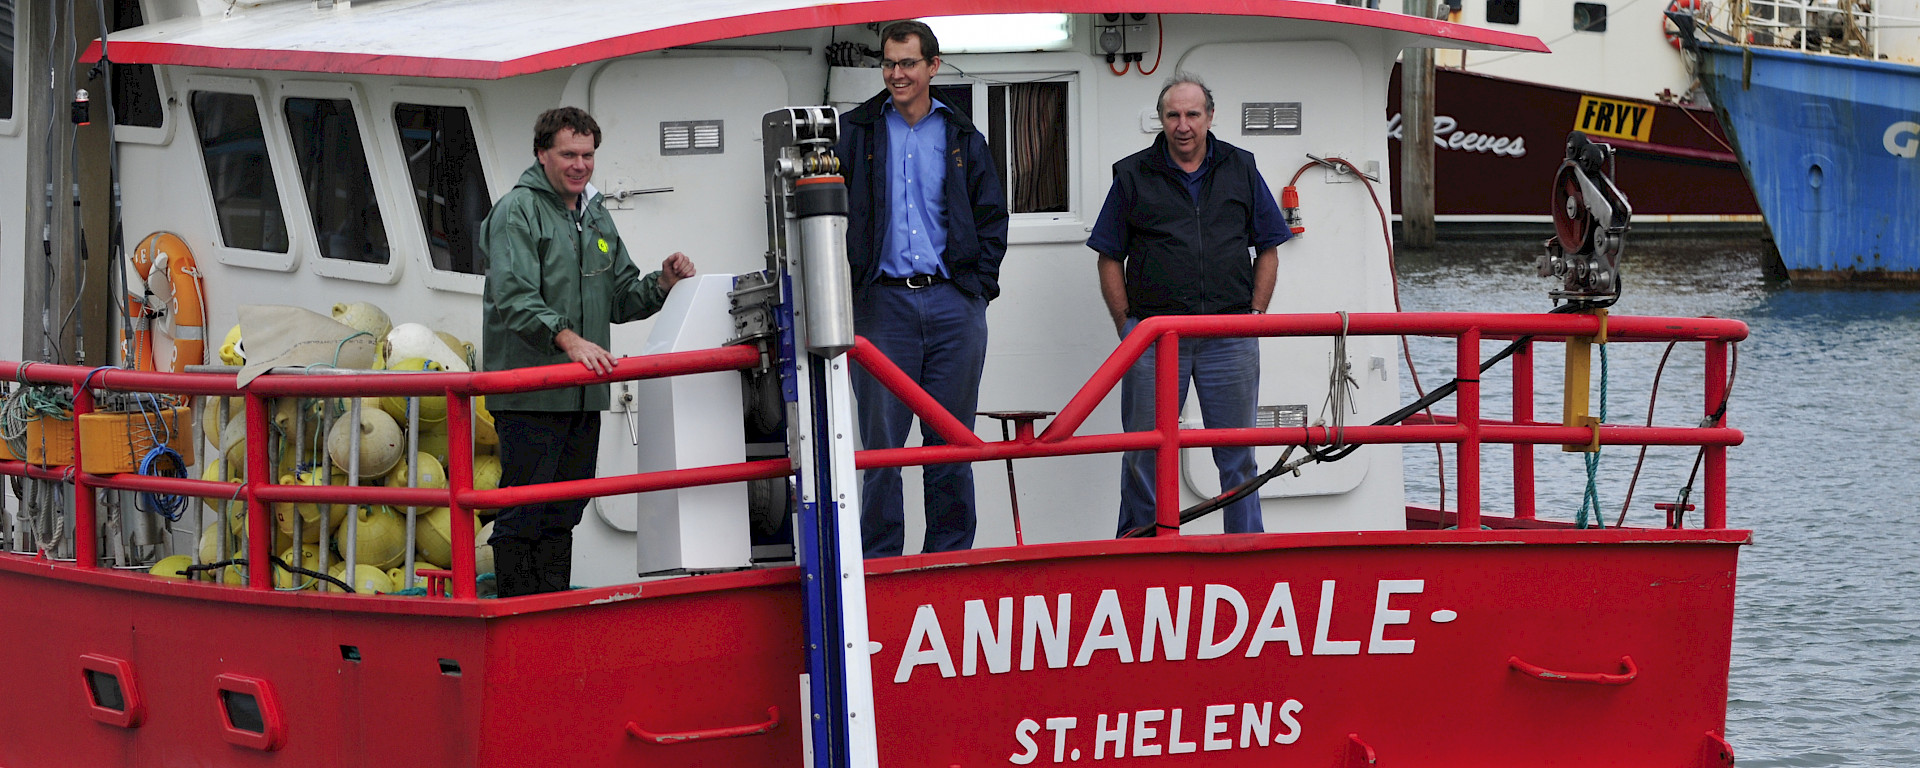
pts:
pixel 807 222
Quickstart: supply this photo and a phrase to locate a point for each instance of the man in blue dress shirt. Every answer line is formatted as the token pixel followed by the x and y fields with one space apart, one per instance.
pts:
pixel 925 235
pixel 1174 238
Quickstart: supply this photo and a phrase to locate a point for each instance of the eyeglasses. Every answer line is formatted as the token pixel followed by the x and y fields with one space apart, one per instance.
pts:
pixel 593 265
pixel 889 66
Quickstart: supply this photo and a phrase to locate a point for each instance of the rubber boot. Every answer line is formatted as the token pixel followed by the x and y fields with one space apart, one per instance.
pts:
pixel 513 568
pixel 553 564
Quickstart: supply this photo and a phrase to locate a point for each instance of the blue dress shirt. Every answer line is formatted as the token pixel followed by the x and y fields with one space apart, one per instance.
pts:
pixel 916 194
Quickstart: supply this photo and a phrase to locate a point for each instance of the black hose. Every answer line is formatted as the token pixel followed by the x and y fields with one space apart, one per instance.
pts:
pixel 277 562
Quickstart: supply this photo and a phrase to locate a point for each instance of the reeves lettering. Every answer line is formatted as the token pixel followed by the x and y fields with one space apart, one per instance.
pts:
pixel 1142 627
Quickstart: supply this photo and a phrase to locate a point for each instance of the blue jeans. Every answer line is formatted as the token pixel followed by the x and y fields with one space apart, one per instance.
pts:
pixel 938 336
pixel 1227 374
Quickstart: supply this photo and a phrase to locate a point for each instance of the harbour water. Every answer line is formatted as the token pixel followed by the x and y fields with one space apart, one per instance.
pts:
pixel 1826 651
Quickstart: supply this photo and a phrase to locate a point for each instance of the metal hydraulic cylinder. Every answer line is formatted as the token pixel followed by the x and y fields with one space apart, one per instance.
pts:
pixel 820 205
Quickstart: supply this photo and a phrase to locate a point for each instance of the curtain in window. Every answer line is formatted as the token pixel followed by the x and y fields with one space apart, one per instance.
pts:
pixel 1038 115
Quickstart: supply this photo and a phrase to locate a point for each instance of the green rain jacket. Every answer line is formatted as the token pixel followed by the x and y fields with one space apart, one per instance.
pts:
pixel 546 272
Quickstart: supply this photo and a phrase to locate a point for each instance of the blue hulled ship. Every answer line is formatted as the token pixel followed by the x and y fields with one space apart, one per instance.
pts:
pixel 1822 103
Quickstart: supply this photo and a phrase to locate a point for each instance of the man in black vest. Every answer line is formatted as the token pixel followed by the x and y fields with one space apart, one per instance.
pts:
pixel 1189 228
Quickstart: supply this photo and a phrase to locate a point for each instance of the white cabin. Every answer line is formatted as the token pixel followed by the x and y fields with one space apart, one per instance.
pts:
pixel 313 153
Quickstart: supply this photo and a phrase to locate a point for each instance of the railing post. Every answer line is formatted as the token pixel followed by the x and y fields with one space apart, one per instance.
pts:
pixel 259 518
pixel 1467 408
pixel 1523 502
pixel 459 480
pixel 1166 421
pixel 86 527
pixel 1716 389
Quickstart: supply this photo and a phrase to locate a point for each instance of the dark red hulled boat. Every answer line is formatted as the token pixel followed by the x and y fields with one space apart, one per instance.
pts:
pixel 1491 131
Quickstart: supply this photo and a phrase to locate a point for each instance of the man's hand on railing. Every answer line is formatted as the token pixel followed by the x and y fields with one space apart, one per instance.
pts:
pixel 587 353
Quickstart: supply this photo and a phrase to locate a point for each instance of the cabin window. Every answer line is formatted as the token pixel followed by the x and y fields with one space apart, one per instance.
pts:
pixel 1589 17
pixel 449 187
pixel 136 91
pixel 7 55
pixel 1027 131
pixel 1503 11
pixel 1026 123
pixel 335 178
pixel 245 197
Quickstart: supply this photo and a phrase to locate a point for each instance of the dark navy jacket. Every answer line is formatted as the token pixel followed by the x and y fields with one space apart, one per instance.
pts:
pixel 976 205
pixel 1182 257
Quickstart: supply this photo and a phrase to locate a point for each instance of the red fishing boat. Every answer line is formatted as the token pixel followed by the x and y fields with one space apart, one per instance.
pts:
pixel 181 625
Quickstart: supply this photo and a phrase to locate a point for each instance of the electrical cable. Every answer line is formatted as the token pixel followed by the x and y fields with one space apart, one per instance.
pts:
pixel 1652 399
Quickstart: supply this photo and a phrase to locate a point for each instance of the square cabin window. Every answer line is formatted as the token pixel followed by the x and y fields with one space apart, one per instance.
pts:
pixel 1503 11
pixel 449 187
pixel 1027 131
pixel 1589 17
pixel 335 178
pixel 246 199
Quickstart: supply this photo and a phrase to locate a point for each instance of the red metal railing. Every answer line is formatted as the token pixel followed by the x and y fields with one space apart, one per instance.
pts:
pixel 1465 429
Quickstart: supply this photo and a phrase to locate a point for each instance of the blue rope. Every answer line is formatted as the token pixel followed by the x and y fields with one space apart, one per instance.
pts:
pixel 169 506
pixel 1591 501
pixel 166 505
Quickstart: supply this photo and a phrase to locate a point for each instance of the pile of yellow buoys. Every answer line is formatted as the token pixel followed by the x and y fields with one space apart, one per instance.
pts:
pixel 320 441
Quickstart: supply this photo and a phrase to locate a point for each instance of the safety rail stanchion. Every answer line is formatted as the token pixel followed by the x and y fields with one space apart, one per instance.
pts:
pixel 86 530
pixel 1466 403
pixel 1166 421
pixel 259 521
pixel 1716 389
pixel 1523 504
pixel 460 479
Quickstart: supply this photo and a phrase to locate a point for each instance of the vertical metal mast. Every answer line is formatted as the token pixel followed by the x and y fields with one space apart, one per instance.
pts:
pixel 806 230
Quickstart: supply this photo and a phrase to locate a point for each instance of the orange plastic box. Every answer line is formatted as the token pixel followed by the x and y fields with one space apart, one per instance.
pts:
pixel 49 441
pixel 116 442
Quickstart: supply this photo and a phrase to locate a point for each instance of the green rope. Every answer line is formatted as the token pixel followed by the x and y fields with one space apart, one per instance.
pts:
pixel 1591 501
pixel 27 403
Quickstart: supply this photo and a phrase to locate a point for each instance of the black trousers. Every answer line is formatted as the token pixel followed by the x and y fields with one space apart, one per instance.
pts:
pixel 543 447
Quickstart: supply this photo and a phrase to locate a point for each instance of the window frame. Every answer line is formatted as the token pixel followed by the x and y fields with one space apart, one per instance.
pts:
pixel 10 126
pixel 1599 29
pixel 1040 227
pixel 414 239
pixel 367 272
pixel 1487 15
pixel 169 106
pixel 279 157
pixel 155 135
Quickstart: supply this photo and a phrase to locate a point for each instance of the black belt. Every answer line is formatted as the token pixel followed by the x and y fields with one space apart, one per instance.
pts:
pixel 917 281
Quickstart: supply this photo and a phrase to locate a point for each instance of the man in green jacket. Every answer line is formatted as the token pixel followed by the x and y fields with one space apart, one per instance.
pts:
pixel 557 277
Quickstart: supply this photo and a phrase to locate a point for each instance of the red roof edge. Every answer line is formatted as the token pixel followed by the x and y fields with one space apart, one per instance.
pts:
pixel 770 22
